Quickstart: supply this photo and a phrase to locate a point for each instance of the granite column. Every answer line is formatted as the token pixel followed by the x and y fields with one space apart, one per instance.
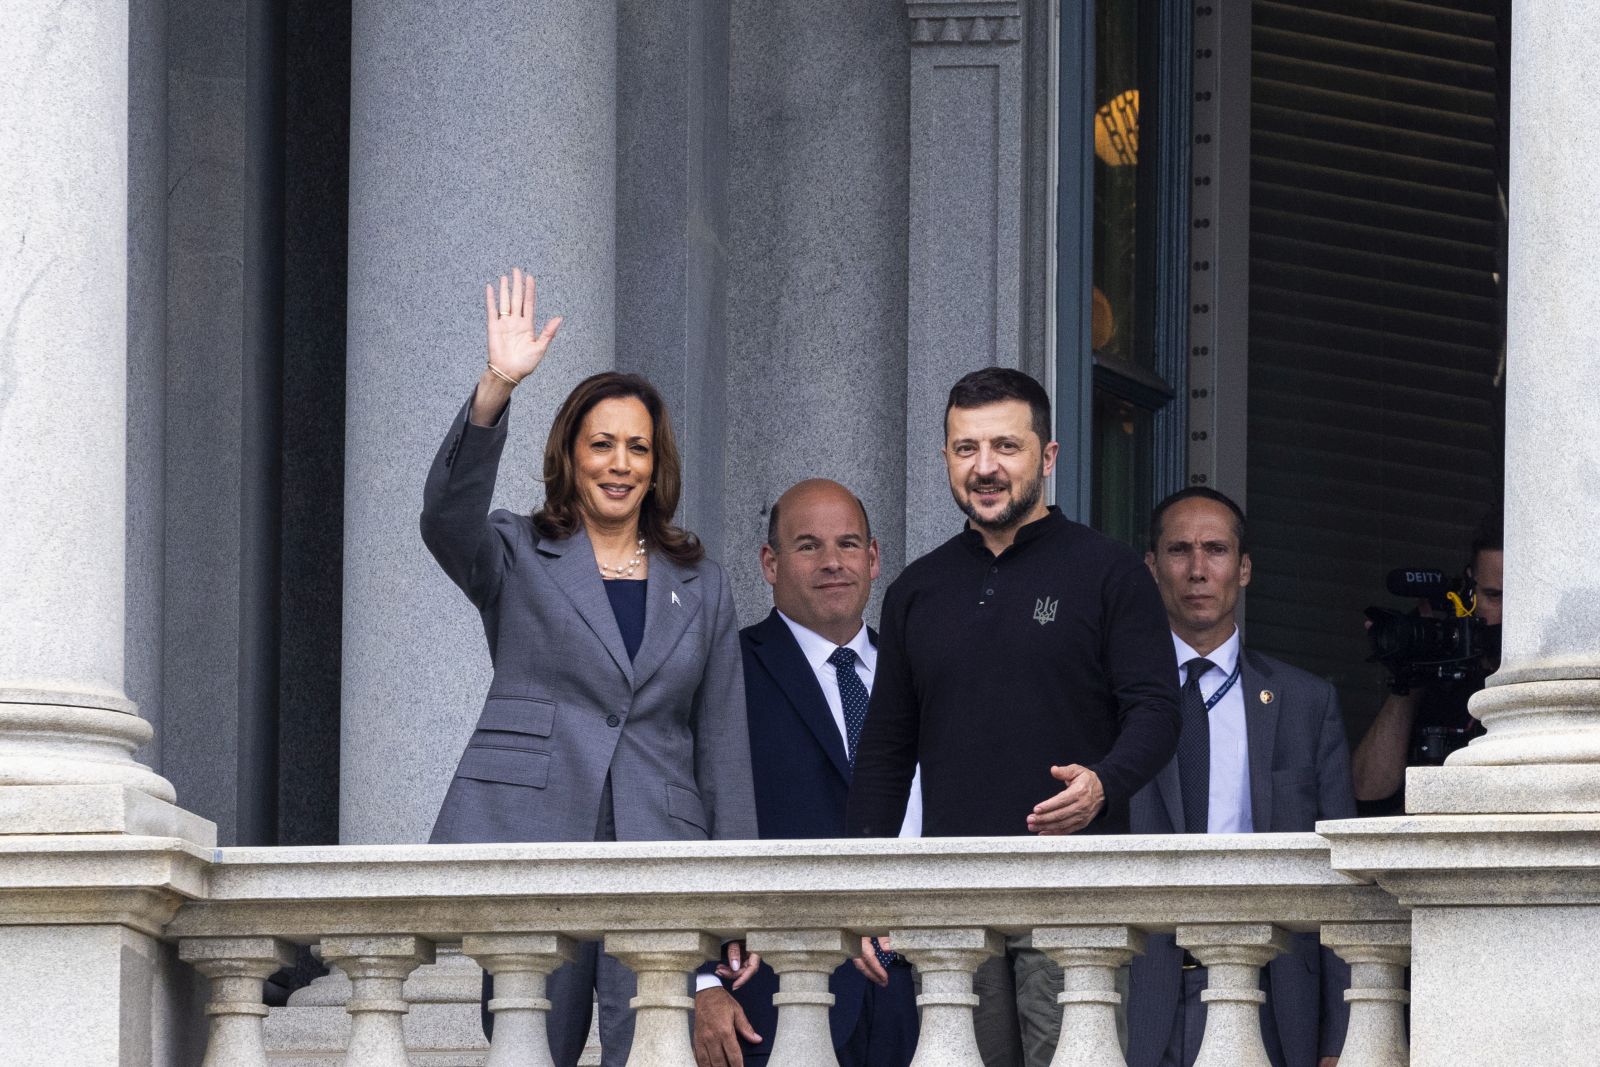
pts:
pixel 67 728
pixel 1496 854
pixel 476 144
pixel 1542 708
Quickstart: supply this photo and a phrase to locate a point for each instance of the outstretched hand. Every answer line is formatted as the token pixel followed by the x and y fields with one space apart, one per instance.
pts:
pixel 1071 809
pixel 514 348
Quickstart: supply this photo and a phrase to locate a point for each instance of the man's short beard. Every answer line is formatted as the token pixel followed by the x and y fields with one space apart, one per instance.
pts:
pixel 1023 501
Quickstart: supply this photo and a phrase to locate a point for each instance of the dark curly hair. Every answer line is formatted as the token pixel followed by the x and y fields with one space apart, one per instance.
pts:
pixel 560 516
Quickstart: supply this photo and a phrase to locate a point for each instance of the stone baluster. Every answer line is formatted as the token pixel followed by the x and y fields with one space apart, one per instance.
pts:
pixel 520 964
pixel 1233 954
pixel 237 967
pixel 804 960
pixel 1089 957
pixel 661 960
pixel 947 958
pixel 1378 954
pixel 377 968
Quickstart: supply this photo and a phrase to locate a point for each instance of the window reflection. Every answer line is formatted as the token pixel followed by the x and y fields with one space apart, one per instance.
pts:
pixel 1124 426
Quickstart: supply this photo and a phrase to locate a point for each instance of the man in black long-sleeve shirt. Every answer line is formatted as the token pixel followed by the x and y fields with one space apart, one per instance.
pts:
pixel 1027 664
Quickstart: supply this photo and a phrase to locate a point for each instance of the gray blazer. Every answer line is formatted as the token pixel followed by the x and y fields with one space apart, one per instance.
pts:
pixel 567 708
pixel 1299 773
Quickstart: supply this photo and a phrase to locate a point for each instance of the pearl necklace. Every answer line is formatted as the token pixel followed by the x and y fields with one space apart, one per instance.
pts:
pixel 624 570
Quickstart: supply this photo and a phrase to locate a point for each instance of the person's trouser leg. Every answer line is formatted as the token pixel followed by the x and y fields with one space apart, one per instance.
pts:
pixel 570 990
pixel 1038 983
pixel 995 1018
pixel 886 1031
pixel 615 985
pixel 1189 1031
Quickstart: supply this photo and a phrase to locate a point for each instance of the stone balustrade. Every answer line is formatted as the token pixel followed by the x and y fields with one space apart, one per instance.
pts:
pixel 378 912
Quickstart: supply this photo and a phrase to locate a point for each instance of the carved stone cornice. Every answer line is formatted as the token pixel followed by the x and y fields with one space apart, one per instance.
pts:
pixel 965 22
pixel 138 882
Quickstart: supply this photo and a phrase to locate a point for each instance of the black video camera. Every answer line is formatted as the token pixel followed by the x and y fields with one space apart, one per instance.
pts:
pixel 1421 650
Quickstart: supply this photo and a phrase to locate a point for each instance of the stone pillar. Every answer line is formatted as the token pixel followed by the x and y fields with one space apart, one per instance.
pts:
pixel 661 960
pixel 1233 954
pixel 237 967
pixel 816 280
pixel 672 233
pixel 966 236
pixel 377 967
pixel 1089 957
pixel 520 963
pixel 946 959
pixel 1378 954
pixel 476 144
pixel 1542 709
pixel 1497 857
pixel 65 721
pixel 804 961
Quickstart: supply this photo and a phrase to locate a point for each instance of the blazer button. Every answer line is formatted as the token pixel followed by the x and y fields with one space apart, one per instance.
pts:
pixel 612 720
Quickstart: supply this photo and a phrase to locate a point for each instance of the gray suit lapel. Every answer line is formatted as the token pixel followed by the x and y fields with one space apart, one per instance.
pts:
pixel 571 563
pixel 672 601
pixel 1263 703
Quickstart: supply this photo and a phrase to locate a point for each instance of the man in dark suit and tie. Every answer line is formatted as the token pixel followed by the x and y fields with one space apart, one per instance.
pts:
pixel 1262 750
pixel 808 675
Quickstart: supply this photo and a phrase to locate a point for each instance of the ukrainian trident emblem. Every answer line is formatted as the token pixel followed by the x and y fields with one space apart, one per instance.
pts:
pixel 1044 610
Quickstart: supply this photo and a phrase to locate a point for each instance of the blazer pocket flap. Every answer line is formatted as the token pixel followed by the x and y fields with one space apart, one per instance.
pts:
pixel 1295 778
pixel 505 765
pixel 518 715
pixel 685 804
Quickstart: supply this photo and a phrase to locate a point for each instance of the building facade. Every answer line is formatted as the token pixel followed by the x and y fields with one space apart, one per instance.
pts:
pixel 243 246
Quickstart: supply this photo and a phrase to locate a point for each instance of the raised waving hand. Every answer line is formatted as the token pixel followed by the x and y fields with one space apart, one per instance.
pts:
pixel 514 348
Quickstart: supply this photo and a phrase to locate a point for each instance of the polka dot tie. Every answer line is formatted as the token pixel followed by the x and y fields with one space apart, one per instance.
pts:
pixel 852 697
pixel 1194 750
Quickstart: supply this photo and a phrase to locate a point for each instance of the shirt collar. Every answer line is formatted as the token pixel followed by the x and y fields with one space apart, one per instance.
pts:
pixel 817 648
pixel 1224 657
pixel 1034 530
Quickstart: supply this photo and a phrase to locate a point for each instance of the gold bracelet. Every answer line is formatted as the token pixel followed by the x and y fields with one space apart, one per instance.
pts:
pixel 503 376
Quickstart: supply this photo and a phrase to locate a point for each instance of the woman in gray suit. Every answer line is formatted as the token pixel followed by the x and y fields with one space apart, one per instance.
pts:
pixel 616 712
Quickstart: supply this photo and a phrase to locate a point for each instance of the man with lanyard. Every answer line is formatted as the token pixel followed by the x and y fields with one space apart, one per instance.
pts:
pixel 1262 750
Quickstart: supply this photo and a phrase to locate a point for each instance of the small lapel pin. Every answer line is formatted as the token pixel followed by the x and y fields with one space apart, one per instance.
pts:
pixel 678 602
pixel 1266 696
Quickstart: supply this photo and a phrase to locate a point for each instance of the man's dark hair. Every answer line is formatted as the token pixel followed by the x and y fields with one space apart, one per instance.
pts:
pixel 991 385
pixel 1489 536
pixel 772 522
pixel 1197 492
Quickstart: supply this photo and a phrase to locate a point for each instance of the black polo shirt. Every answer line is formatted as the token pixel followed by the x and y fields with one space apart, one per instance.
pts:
pixel 991 669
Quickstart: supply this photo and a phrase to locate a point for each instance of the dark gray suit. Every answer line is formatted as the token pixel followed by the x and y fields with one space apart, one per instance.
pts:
pixel 1299 773
pixel 576 741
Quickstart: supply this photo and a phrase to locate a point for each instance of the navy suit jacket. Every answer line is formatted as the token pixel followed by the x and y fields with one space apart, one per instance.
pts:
pixel 802 779
pixel 1299 774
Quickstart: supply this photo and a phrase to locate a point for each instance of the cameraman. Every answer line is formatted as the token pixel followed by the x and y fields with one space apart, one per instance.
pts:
pixel 1400 735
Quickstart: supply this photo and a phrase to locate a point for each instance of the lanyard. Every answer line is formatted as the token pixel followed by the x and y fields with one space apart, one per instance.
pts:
pixel 1222 690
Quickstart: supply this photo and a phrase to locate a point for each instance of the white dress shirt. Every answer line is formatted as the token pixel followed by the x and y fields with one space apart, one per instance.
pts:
pixel 1229 811
pixel 816 650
